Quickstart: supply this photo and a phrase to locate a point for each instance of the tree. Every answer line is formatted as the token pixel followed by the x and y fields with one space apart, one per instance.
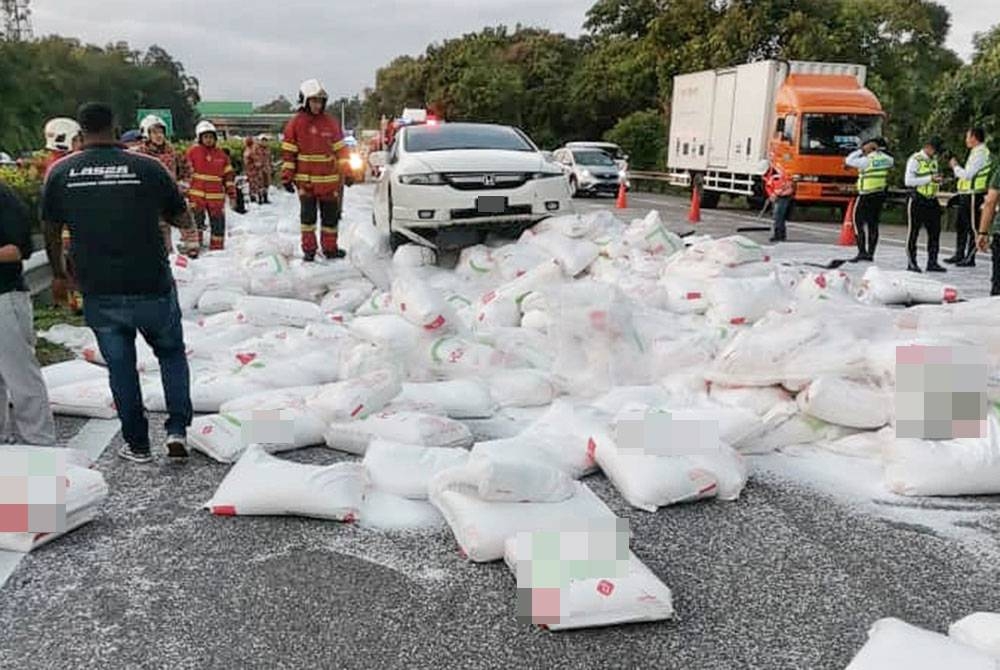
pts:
pixel 643 136
pixel 280 105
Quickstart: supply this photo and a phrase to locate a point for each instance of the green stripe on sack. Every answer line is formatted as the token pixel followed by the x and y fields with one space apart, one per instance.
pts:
pixel 232 419
pixel 435 347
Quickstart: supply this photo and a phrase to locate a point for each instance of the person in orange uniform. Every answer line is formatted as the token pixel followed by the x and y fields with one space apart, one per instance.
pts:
pixel 316 162
pixel 62 138
pixel 212 179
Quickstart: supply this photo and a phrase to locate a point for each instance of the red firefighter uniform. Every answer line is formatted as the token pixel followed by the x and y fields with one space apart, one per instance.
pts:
pixel 74 299
pixel 314 157
pixel 212 179
pixel 178 167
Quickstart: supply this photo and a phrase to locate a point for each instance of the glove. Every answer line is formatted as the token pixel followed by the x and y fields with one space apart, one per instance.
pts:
pixel 60 290
pixel 290 187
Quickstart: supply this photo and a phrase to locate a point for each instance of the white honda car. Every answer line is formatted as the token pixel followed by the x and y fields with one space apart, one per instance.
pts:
pixel 448 185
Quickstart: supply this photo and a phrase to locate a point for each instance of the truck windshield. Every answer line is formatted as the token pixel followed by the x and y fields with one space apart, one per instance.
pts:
pixel 837 134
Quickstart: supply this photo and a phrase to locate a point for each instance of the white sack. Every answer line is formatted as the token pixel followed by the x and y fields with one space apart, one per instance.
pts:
pixel 980 630
pixel 422 305
pixel 261 311
pixel 416 428
pixel 507 481
pixel 407 469
pixel 573 255
pixel 222 436
pixel 847 403
pixel 896 645
pixel 896 288
pixel 744 300
pixel 72 372
pixel 214 301
pixel 355 398
pixel 521 388
pixel 458 399
pixel 88 398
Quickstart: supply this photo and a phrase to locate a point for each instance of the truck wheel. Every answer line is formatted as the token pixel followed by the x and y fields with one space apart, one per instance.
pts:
pixel 710 199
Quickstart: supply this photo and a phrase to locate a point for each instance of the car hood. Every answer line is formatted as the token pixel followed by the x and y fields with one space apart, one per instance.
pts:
pixel 600 170
pixel 476 161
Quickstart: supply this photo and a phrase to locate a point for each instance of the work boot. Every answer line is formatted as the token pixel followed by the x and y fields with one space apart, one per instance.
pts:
pixel 912 266
pixel 309 256
pixel 968 262
pixel 953 259
pixel 932 266
pixel 336 253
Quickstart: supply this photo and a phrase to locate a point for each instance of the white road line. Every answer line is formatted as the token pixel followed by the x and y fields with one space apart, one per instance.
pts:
pixel 8 563
pixel 94 437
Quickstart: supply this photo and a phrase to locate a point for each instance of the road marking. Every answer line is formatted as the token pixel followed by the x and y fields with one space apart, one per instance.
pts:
pixel 8 563
pixel 94 437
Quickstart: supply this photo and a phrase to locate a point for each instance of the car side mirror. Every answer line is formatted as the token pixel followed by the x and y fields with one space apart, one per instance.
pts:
pixel 377 159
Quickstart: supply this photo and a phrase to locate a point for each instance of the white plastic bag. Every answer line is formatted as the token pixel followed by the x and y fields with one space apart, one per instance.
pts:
pixel 407 469
pixel 87 398
pixel 260 484
pixel 896 645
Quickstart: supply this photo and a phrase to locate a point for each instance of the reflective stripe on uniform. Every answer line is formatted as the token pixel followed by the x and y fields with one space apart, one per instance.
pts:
pixel 288 146
pixel 315 158
pixel 206 177
pixel 926 167
pixel 308 228
pixel 318 179
pixel 337 146
pixel 288 165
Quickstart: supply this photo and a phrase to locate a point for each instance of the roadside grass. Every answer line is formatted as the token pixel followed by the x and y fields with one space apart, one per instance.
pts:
pixel 47 316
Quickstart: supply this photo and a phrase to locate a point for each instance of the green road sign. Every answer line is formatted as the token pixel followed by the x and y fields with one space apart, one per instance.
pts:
pixel 165 114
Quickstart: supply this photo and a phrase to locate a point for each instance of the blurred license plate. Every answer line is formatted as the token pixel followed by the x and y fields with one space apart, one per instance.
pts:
pixel 491 204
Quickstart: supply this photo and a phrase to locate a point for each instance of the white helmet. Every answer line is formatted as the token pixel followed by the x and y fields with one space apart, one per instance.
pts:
pixel 311 88
pixel 59 134
pixel 150 122
pixel 205 127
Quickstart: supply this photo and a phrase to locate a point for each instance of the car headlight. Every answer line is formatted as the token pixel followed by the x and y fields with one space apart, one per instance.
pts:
pixel 428 179
pixel 587 173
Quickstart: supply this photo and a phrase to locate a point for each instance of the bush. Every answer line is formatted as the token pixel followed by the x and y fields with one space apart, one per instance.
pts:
pixel 27 184
pixel 643 136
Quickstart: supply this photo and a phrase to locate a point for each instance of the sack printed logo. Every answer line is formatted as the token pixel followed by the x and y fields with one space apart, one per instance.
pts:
pixel 605 588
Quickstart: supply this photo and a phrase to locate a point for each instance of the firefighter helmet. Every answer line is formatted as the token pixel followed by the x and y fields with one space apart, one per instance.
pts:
pixel 311 88
pixel 150 122
pixel 205 127
pixel 59 134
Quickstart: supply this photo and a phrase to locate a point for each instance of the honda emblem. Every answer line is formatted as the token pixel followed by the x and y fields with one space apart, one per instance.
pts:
pixel 489 180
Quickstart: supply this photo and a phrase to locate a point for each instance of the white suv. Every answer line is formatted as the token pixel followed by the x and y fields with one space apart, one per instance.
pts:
pixel 448 185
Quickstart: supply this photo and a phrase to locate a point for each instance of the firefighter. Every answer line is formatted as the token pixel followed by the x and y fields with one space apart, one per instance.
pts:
pixel 264 149
pixel 155 145
pixel 314 158
pixel 212 179
pixel 973 180
pixel 63 137
pixel 922 207
pixel 253 169
pixel 873 165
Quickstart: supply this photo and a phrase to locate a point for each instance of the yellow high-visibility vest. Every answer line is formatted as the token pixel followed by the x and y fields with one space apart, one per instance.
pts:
pixel 875 177
pixel 980 182
pixel 926 167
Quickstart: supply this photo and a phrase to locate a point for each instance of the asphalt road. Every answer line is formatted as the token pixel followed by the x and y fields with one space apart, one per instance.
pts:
pixel 789 577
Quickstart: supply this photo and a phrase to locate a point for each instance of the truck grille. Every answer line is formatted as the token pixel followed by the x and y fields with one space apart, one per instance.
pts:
pixel 512 210
pixel 485 181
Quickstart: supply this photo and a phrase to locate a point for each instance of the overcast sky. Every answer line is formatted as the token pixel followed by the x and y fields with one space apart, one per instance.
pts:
pixel 257 49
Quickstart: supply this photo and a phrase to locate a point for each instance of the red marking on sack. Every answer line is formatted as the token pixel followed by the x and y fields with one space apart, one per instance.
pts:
pixel 357 410
pixel 461 552
pixel 767 258
pixel 599 320
pixel 89 355
pixel 738 321
pixel 402 307
pixel 950 295
pixel 224 510
pixel 490 297
pixel 181 261
pixel 605 588
pixel 244 359
pixel 349 517
pixel 706 489
pixel 820 281
pixel 519 273
pixel 282 336
pixel 241 317
pixel 693 295
pixel 436 323
pixel 207 430
pixel 591 448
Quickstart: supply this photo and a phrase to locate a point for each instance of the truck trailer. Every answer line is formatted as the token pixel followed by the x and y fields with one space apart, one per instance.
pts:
pixel 725 125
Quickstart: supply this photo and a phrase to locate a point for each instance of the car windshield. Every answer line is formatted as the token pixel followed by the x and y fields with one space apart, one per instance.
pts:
pixel 452 136
pixel 593 157
pixel 838 134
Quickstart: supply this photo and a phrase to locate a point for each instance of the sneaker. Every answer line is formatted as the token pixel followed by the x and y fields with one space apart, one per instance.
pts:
pixel 130 453
pixel 177 447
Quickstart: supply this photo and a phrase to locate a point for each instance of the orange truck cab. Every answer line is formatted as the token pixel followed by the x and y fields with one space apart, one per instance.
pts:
pixel 726 124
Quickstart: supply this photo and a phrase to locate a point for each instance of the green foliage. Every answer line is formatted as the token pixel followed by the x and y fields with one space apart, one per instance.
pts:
pixel 643 136
pixel 47 316
pixel 280 105
pixel 27 184
pixel 53 76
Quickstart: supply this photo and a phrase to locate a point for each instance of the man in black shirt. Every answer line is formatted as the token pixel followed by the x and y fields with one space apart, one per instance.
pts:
pixel 20 378
pixel 113 200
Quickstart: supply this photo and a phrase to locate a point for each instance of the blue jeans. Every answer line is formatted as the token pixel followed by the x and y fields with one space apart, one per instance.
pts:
pixel 781 206
pixel 115 319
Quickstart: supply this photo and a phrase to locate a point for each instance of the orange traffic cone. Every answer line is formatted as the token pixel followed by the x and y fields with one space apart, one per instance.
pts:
pixel 622 202
pixel 694 214
pixel 847 238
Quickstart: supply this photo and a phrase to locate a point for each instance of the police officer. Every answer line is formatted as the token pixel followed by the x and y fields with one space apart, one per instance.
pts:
pixel 973 180
pixel 989 230
pixel 922 208
pixel 873 165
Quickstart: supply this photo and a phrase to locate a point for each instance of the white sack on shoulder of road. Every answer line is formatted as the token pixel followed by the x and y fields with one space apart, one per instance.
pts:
pixel 452 357
pixel 458 398
pixel 847 402
pixel 266 266
pixel 523 345
pixel 650 481
pixel 896 645
pixel 727 251
pixel 389 331
pixel 570 225
pixel 476 263
pixel 379 302
pixel 263 311
pixel 214 301
pixel 86 489
pixel 686 295
pixel 261 484
pixel 521 388
pixel 79 339
pixel 786 426
pixel 407 427
pixel 514 260
pixel 898 288
pixel 224 436
pixel 863 444
pixel 407 469
pixel 90 398
pixel 964 466
pixel 293 397
pixel 573 255
pixel 72 372
pixel 744 300
pixel 635 597
pixel 480 526
pixel 980 630
pixel 355 398
pixel 829 285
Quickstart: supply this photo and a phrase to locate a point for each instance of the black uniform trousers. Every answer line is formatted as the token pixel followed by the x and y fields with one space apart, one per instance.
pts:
pixel 867 211
pixel 966 222
pixel 923 212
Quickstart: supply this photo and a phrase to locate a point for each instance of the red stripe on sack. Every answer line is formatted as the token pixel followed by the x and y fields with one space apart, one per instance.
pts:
pixel 402 307
pixel 357 410
pixel 349 517
pixel 244 359
pixel 489 297
pixel 224 510
pixel 591 448
pixel 767 258
pixel 693 295
pixel 519 273
pixel 820 281
pixel 439 321
pixel 207 430
pixel 950 295
pixel 738 321
pixel 461 552
pixel 707 489
pixel 181 261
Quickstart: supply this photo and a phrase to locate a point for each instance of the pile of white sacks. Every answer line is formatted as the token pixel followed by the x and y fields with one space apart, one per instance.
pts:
pixel 493 388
